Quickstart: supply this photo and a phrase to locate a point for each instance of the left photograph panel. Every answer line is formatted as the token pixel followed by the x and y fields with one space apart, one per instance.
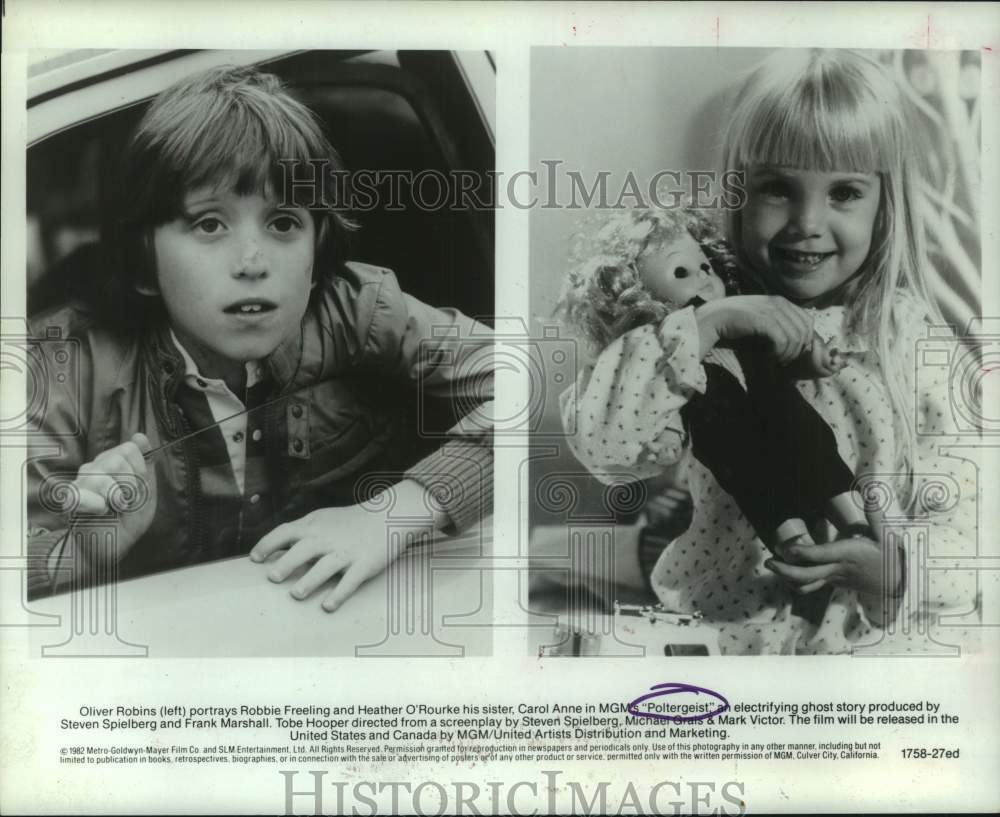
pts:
pixel 259 352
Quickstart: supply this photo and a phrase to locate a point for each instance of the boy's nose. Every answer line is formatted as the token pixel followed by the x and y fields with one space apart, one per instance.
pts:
pixel 251 263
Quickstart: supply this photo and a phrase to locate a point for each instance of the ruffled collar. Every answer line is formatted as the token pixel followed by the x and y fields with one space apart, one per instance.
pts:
pixel 830 324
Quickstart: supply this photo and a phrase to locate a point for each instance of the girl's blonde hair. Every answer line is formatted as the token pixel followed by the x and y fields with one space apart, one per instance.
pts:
pixel 603 296
pixel 841 111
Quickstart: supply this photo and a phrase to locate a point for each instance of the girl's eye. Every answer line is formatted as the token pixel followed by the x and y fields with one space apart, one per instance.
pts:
pixel 285 224
pixel 845 193
pixel 680 272
pixel 774 189
pixel 706 267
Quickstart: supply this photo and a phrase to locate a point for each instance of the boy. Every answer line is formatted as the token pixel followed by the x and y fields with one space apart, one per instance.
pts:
pixel 230 312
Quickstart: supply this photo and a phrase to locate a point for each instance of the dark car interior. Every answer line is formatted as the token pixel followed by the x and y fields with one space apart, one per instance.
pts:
pixel 404 110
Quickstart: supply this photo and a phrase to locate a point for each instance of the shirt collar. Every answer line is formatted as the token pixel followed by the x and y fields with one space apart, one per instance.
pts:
pixel 830 324
pixel 196 380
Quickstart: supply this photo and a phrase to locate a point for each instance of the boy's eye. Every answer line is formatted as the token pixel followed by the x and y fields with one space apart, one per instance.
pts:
pixel 208 226
pixel 845 193
pixel 680 272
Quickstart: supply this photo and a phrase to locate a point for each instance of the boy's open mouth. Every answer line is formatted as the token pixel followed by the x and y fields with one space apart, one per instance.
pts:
pixel 250 306
pixel 807 259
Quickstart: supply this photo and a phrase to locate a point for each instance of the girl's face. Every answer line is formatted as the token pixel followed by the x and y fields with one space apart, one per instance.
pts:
pixel 234 273
pixel 807 232
pixel 678 272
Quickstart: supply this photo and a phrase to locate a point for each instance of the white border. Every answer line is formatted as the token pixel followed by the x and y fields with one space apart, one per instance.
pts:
pixel 34 695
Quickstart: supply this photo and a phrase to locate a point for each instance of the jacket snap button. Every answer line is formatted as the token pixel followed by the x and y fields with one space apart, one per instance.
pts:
pixel 297 445
pixel 296 411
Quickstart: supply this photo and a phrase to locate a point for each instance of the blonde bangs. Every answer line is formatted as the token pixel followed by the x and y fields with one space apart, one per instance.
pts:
pixel 804 110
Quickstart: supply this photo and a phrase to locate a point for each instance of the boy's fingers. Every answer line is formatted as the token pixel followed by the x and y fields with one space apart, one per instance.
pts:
pixel 302 552
pixel 282 536
pixel 132 455
pixel 112 461
pixel 90 503
pixel 99 484
pixel 142 443
pixel 349 583
pixel 319 573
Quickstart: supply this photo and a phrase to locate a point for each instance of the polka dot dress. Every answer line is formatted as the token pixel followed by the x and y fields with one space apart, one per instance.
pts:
pixel 626 409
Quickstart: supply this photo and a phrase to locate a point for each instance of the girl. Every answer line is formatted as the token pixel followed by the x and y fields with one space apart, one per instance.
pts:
pixel 830 228
pixel 235 372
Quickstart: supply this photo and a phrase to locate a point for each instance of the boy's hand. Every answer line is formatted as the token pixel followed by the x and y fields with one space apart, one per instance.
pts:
pixel 856 563
pixel 350 540
pixel 120 480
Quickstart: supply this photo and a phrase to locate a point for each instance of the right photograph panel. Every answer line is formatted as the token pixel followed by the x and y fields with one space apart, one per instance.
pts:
pixel 763 267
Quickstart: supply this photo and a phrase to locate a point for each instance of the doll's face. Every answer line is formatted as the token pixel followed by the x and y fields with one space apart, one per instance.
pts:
pixel 679 271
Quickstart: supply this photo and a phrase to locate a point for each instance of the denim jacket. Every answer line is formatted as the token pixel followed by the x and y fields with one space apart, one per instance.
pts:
pixel 340 421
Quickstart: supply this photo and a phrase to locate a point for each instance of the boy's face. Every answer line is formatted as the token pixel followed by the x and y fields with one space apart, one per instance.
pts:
pixel 679 271
pixel 235 274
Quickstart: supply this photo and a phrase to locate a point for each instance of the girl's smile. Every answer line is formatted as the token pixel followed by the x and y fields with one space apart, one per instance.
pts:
pixel 807 232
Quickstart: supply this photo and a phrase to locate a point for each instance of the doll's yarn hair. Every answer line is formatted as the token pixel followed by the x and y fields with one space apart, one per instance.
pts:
pixel 603 296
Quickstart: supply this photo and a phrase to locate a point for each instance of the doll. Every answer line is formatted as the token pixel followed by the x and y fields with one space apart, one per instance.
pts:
pixel 763 442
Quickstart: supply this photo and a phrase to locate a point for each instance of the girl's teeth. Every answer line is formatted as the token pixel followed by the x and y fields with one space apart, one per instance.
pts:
pixel 804 258
pixel 250 308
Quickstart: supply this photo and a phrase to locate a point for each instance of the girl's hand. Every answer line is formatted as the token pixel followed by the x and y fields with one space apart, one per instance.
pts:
pixel 856 563
pixel 789 328
pixel 351 541
pixel 119 480
pixel 820 360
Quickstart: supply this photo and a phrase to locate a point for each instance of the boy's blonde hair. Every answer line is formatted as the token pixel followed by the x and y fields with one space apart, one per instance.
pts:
pixel 841 111
pixel 603 295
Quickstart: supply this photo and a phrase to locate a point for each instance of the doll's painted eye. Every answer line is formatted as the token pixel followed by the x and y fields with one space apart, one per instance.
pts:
pixel 681 272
